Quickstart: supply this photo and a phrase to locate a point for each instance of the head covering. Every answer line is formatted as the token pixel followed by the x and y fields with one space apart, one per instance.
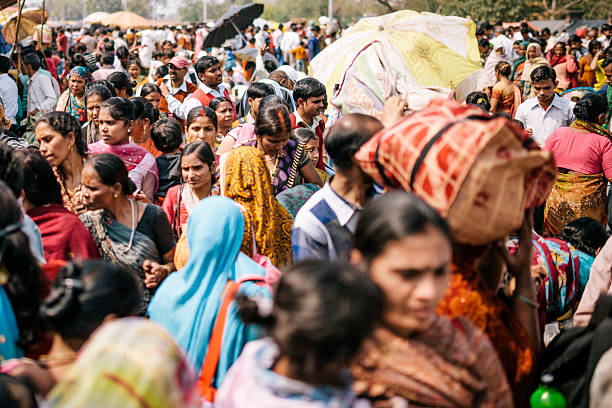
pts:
pixel 179 62
pixel 247 181
pixel 533 63
pixel 290 71
pixel 187 302
pixel 477 170
pixel 129 363
pixel 489 79
pixel 81 72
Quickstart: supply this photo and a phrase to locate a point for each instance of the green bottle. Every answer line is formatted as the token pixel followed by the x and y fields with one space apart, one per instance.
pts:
pixel 546 396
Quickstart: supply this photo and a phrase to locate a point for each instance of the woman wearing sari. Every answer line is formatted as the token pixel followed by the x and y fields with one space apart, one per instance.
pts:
pixel 129 233
pixel 94 96
pixel 116 120
pixel 415 355
pixel 495 177
pixel 246 179
pixel 505 96
pixel 188 302
pixel 565 65
pixel 535 59
pixel 72 100
pixel 63 235
pixel 519 62
pixel 583 153
pixel 225 115
pixel 61 143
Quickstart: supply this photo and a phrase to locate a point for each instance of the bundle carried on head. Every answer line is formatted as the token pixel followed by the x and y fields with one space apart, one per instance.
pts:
pixel 479 172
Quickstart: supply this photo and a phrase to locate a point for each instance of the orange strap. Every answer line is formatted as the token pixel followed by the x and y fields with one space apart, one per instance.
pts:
pixel 209 366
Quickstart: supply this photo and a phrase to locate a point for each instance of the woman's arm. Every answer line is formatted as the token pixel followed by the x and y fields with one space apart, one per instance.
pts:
pixel 310 174
pixel 155 273
pixel 149 186
pixel 226 146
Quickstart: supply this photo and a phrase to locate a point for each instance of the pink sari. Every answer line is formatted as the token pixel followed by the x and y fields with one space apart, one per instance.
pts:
pixel 137 160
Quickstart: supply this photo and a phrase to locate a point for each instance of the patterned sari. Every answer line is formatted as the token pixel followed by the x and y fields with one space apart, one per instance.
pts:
pixel 246 180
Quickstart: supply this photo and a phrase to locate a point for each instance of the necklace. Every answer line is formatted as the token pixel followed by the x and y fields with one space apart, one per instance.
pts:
pixel 125 251
pixel 275 168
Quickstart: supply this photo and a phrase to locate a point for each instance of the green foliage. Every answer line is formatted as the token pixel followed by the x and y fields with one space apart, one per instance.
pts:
pixel 141 7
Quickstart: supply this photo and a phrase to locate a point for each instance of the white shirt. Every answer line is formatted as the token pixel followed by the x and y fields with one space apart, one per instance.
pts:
pixel 9 95
pixel 41 94
pixel 181 110
pixel 277 36
pixel 315 121
pixel 290 41
pixel 560 113
pixel 604 41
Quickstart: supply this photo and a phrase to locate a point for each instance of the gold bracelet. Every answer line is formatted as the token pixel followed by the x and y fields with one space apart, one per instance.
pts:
pixel 527 301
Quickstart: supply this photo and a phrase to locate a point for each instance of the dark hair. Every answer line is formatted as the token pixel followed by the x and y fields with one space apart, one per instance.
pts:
pixel 270 66
pixel 99 90
pixel 574 38
pixel 585 234
pixel 202 150
pixel 149 88
pixel 64 123
pixel 308 88
pixel 545 30
pixel 593 44
pixel 259 90
pixel 205 62
pixel 483 42
pixel 103 82
pixel 590 107
pixel 216 102
pixel 162 71
pixel 24 285
pixel 479 99
pixel 167 135
pixel 32 60
pixel 606 62
pixel 40 185
pixel 322 312
pixel 392 217
pixel 543 73
pixel 347 136
pixel 78 60
pixel 120 81
pixel 107 58
pixel 85 293
pixel 135 60
pixel 11 169
pixel 272 117
pixel 122 52
pixel 5 64
pixel 119 108
pixel 249 65
pixel 111 170
pixel 17 392
pixel 303 135
pixel 201 111
pixel 503 68
pixel 144 109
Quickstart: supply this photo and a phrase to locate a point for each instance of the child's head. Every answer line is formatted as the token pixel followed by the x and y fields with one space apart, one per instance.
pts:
pixel 585 234
pixel 310 141
pixel 321 313
pixel 166 135
pixel 201 124
pixel 160 72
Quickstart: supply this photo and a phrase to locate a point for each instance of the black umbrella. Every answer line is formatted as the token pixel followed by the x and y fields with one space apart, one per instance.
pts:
pixel 231 23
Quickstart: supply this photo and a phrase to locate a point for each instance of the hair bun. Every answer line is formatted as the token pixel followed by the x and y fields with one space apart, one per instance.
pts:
pixel 64 295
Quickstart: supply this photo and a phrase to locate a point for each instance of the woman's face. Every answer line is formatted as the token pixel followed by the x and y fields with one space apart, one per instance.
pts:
pixel 113 131
pixel 134 71
pixel 76 84
pixel 53 146
pixel 225 115
pixel 531 52
pixel 96 195
pixel 196 173
pixel 93 108
pixel 559 50
pixel 312 147
pixel 596 49
pixel 523 50
pixel 202 129
pixel 154 98
pixel 273 144
pixel 414 274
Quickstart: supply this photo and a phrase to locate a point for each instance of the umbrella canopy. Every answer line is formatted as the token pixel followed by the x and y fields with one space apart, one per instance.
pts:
pixel 95 18
pixel 9 30
pixel 35 14
pixel 250 54
pixel 397 54
pixel 126 19
pixel 230 24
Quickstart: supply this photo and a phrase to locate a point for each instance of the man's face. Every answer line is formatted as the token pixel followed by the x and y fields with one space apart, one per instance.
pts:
pixel 545 91
pixel 212 76
pixel 313 106
pixel 608 72
pixel 176 74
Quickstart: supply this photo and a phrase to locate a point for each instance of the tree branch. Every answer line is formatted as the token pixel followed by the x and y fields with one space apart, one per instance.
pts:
pixel 387 4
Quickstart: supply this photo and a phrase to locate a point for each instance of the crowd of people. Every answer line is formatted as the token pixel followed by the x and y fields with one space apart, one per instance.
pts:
pixel 193 228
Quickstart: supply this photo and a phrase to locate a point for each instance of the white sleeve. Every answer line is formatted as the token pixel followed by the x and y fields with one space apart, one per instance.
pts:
pixel 181 110
pixel 44 94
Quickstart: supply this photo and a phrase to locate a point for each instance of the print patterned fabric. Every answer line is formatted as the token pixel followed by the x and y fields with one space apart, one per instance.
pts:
pixel 247 181
pixel 73 202
pixel 474 170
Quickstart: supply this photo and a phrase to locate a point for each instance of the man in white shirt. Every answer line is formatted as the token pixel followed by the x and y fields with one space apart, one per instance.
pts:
pixel 9 94
pixel 277 38
pixel 41 94
pixel 606 38
pixel 547 111
pixel 290 41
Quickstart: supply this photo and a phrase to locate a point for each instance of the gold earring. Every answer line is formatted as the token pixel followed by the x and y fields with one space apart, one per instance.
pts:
pixel 115 195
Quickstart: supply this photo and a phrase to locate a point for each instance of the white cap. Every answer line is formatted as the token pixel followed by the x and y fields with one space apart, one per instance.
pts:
pixel 290 71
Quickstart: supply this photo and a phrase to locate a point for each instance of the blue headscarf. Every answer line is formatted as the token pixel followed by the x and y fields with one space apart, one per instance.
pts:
pixel 187 302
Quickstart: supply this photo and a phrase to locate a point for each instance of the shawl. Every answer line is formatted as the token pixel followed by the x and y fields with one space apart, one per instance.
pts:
pixel 90 132
pixel 247 181
pixel 187 302
pixel 591 127
pixel 493 59
pixel 128 363
pixel 533 63
pixel 451 364
pixel 63 235
pixel 137 160
pixel 295 197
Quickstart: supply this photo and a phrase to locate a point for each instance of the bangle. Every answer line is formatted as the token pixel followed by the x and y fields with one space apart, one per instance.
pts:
pixel 527 301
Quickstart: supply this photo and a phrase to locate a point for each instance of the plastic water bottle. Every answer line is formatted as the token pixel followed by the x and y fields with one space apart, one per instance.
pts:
pixel 546 396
